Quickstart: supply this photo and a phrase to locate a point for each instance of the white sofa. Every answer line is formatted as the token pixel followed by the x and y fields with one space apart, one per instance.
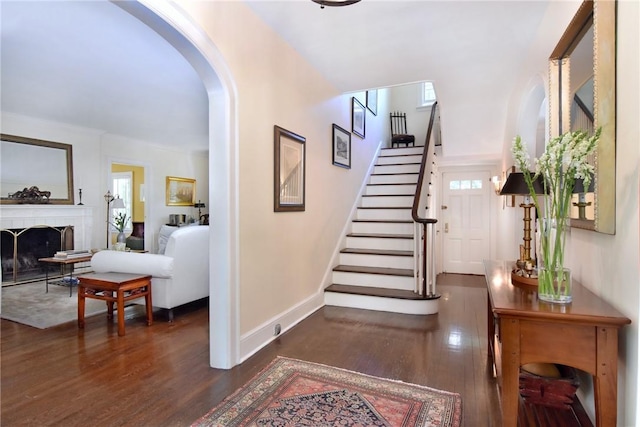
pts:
pixel 179 275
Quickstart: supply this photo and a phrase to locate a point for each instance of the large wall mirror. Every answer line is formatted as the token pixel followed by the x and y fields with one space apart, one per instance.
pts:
pixel 582 96
pixel 27 165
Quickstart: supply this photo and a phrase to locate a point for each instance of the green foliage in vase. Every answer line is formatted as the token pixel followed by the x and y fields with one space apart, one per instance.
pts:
pixel 120 221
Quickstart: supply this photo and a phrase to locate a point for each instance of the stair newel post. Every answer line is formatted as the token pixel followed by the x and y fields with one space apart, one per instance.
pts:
pixel 424 260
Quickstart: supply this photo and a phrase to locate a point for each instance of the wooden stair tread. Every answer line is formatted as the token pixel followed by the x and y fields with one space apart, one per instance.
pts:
pixel 381 236
pixel 399 164
pixel 374 270
pixel 376 252
pixel 397 173
pixel 387 195
pixel 385 207
pixel 378 292
pixel 394 183
pixel 385 221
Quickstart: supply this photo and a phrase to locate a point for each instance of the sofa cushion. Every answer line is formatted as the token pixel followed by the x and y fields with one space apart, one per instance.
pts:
pixel 130 262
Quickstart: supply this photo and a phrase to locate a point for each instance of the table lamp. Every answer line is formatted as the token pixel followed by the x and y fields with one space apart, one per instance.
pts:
pixel 581 204
pixel 516 185
pixel 118 203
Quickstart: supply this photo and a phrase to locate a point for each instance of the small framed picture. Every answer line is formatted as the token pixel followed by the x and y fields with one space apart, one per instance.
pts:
pixel 289 171
pixel 181 191
pixel 372 101
pixel 341 140
pixel 357 117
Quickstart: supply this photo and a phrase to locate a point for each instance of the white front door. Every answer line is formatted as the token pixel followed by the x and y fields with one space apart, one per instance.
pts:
pixel 465 214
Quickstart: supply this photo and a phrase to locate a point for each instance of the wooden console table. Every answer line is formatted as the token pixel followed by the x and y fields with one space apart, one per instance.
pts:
pixel 582 334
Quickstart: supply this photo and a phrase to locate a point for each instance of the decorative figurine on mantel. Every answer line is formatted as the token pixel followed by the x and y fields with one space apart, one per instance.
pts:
pixel 31 195
pixel 80 194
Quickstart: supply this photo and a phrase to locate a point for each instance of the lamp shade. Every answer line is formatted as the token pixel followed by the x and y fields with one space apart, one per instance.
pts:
pixel 516 185
pixel 578 186
pixel 118 203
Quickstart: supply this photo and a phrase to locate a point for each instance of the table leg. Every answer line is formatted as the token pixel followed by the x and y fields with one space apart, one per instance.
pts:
pixel 148 304
pixel 510 330
pixel 81 301
pixel 605 382
pixel 70 280
pixel 120 312
pixel 46 277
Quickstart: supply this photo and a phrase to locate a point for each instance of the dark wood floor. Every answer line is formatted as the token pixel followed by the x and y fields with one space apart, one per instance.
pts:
pixel 159 375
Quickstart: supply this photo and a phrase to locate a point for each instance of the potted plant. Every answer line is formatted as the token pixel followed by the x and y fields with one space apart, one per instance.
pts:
pixel 119 223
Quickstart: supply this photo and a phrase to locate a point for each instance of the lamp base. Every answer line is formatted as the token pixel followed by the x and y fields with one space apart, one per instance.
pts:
pixel 529 283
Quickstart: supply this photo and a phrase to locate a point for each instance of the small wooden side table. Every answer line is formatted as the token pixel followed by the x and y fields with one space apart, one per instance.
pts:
pixel 126 287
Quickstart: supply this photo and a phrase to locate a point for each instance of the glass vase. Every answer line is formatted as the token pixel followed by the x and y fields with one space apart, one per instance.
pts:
pixel 554 285
pixel 121 237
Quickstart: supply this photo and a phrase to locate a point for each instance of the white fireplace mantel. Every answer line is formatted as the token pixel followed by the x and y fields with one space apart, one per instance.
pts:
pixel 25 216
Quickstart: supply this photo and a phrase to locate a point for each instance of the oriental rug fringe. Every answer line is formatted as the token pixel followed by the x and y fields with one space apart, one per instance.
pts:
pixel 292 392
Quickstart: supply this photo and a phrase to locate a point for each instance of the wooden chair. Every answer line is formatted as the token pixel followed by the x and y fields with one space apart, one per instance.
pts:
pixel 399 130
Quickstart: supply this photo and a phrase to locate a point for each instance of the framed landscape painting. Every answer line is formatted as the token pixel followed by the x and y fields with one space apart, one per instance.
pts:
pixel 341 141
pixel 357 118
pixel 181 191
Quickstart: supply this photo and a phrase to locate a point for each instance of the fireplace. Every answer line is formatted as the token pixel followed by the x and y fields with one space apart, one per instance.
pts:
pixel 22 247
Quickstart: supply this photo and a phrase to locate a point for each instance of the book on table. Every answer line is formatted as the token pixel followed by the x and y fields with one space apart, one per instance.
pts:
pixel 72 254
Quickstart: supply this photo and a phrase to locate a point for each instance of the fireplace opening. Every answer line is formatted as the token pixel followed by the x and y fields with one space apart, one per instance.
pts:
pixel 21 249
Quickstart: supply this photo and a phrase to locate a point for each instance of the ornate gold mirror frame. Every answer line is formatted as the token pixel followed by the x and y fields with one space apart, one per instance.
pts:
pixel 599 16
pixel 34 171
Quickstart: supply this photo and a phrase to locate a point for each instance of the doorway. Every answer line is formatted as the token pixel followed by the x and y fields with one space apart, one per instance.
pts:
pixel 466 222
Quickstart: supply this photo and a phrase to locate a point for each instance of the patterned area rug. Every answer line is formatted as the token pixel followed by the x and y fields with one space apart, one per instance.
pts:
pixel 291 392
pixel 30 305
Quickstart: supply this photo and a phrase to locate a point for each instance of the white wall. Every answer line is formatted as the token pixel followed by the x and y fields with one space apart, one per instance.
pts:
pixel 405 100
pixel 284 257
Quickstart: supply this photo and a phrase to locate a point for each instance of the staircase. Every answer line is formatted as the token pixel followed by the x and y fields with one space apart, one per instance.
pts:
pixel 376 270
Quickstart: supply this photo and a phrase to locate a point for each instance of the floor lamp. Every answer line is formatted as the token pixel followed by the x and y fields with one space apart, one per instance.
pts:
pixel 118 203
pixel 517 186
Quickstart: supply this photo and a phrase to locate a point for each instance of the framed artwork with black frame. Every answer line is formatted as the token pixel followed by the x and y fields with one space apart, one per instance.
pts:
pixel 357 118
pixel 372 101
pixel 289 170
pixel 341 143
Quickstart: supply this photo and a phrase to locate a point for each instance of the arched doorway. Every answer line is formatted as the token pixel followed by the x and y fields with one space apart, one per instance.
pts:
pixel 174 26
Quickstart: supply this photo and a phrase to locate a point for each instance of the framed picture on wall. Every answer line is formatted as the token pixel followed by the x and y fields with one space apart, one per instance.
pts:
pixel 181 191
pixel 289 171
pixel 372 101
pixel 341 141
pixel 357 117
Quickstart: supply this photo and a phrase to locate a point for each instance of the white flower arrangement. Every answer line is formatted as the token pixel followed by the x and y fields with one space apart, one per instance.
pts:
pixel 564 161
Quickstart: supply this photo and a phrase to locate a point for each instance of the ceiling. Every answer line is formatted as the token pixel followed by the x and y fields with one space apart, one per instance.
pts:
pixel 96 66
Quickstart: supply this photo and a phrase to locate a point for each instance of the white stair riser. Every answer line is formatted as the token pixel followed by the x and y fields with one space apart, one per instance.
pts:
pixel 382 190
pixel 399 159
pixel 394 179
pixel 382 227
pixel 387 201
pixel 396 169
pixel 382 214
pixel 380 243
pixel 391 305
pixel 374 280
pixel 402 151
pixel 382 261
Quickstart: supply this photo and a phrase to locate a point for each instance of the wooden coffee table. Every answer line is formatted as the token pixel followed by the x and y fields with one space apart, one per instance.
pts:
pixel 64 261
pixel 125 286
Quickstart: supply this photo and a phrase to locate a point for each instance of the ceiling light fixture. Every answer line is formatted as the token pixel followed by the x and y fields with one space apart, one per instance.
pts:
pixel 332 3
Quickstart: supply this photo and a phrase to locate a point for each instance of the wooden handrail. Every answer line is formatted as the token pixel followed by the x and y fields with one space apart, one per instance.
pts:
pixel 416 200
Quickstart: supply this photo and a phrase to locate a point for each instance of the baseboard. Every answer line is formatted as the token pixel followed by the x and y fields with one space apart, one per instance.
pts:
pixel 253 341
